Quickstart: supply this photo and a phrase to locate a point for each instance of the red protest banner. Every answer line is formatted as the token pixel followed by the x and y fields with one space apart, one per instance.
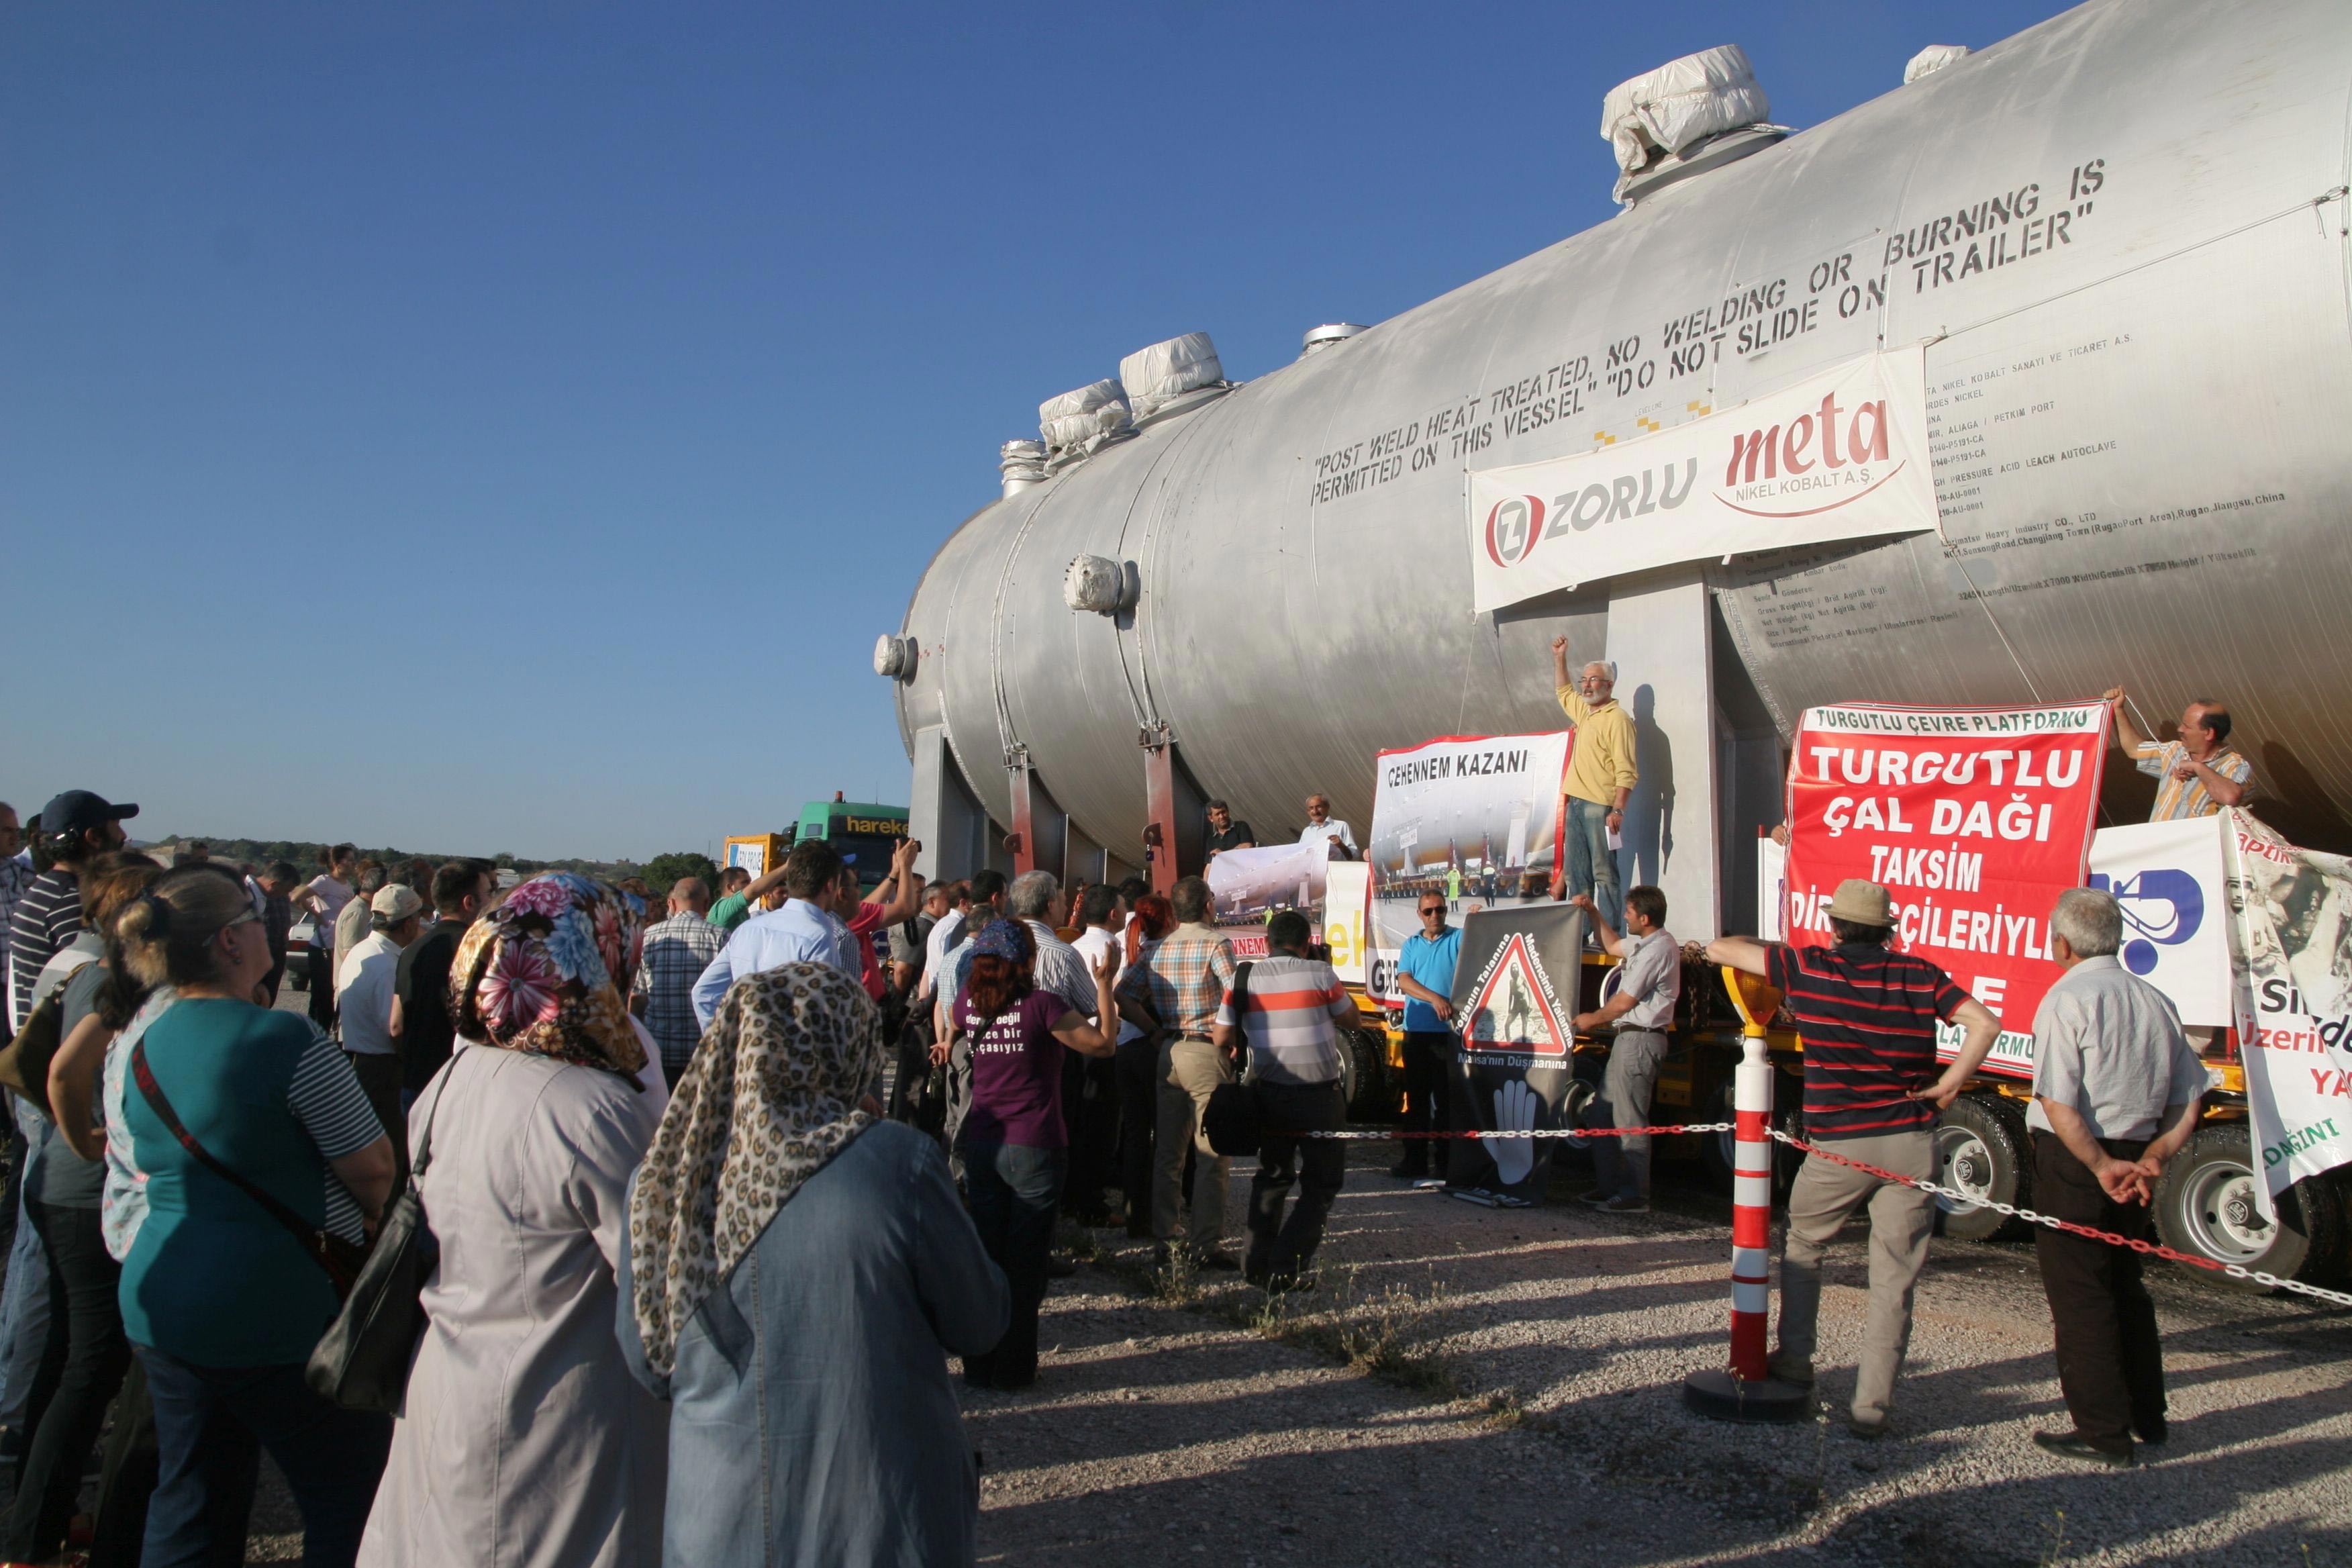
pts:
pixel 1975 819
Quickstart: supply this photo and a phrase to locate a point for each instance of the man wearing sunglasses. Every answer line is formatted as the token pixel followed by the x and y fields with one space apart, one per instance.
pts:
pixel 1425 975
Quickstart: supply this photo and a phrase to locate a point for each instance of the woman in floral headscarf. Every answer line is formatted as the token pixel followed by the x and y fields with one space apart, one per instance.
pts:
pixel 797 1269
pixel 525 1440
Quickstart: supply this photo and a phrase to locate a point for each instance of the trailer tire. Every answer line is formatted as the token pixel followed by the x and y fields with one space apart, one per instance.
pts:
pixel 2205 1206
pixel 1982 1149
pixel 1374 1098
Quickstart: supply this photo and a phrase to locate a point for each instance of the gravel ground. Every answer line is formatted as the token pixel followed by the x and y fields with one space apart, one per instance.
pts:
pixel 1165 1434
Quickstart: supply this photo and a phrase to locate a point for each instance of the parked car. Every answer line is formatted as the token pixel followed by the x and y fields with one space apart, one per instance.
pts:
pixel 298 938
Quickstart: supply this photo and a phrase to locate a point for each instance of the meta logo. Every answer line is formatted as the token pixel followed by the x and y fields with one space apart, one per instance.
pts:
pixel 2161 908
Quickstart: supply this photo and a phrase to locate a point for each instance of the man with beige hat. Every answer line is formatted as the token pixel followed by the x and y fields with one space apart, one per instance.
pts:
pixel 365 982
pixel 1868 1016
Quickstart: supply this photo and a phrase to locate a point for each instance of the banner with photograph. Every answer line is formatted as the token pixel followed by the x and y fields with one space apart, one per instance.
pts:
pixel 2168 879
pixel 1475 817
pixel 1514 994
pixel 1843 455
pixel 2291 935
pixel 1975 819
pixel 1250 884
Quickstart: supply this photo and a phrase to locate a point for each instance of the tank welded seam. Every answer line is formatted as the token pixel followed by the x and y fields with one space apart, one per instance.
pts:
pixel 2337 194
pixel 1004 735
pixel 1147 706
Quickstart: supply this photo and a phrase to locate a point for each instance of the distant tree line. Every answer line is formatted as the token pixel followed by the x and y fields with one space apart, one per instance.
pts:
pixel 308 855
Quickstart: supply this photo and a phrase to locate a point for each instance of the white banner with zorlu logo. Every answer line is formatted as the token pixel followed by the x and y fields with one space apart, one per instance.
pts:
pixel 1841 456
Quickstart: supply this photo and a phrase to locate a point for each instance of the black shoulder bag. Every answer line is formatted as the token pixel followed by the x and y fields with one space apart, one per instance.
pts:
pixel 1230 1119
pixel 340 1258
pixel 361 1362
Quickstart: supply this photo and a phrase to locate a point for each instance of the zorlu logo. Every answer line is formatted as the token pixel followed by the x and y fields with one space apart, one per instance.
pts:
pixel 1512 529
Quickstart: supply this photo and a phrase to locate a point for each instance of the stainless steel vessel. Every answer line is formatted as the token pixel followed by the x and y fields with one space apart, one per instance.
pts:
pixel 2121 233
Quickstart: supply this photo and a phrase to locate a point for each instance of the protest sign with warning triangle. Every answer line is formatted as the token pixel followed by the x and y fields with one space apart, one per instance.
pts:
pixel 1514 1009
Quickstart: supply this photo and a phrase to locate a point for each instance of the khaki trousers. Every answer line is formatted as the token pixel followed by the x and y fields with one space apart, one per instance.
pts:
pixel 1189 1071
pixel 1824 1197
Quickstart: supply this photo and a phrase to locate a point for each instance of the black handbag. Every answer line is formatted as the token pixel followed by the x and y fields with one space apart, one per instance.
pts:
pixel 1229 1120
pixel 340 1258
pixel 25 1060
pixel 361 1362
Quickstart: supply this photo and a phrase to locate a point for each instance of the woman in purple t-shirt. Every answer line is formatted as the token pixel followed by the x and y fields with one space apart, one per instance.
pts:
pixel 1015 1150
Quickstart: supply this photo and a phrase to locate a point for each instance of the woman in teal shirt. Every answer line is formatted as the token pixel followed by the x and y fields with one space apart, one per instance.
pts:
pixel 220 1300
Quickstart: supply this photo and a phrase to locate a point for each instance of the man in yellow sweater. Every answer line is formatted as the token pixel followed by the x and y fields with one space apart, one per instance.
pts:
pixel 1601 778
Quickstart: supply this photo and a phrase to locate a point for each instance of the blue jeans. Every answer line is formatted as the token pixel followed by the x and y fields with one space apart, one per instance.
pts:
pixel 211 1424
pixel 24 1299
pixel 1592 868
pixel 1015 1191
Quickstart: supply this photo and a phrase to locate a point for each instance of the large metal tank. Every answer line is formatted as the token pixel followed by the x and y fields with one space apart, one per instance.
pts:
pixel 2122 235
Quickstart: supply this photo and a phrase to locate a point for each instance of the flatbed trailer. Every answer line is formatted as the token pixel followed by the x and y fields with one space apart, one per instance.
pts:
pixel 2205 1204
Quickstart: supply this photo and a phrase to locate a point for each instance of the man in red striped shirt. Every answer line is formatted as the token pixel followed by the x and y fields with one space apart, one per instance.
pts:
pixel 1867 1016
pixel 1287 1016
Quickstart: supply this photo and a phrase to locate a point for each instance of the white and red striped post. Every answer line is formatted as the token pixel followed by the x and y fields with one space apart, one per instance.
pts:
pixel 1751 1210
pixel 1745 1391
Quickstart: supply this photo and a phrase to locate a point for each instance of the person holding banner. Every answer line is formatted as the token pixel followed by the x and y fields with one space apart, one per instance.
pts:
pixel 2197 774
pixel 1868 1015
pixel 1321 824
pixel 1601 779
pixel 1649 982
pixel 2116 1090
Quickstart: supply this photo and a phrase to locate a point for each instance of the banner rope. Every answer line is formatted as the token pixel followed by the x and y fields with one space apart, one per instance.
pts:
pixel 2150 1248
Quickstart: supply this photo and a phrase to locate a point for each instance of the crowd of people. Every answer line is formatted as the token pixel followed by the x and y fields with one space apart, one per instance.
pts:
pixel 720 1179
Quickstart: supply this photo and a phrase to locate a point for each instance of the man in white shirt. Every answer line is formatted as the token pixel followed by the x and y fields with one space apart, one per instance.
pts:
pixel 1092 1110
pixel 323 897
pixel 364 985
pixel 1321 824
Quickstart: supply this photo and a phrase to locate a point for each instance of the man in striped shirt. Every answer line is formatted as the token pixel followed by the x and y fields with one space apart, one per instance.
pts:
pixel 75 826
pixel 1284 1017
pixel 2197 774
pixel 1868 1018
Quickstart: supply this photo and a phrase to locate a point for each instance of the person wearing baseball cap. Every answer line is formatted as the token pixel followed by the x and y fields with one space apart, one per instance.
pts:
pixel 74 826
pixel 1868 1015
pixel 365 982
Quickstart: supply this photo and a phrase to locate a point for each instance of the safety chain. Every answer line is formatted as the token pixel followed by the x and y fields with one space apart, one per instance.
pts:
pixel 2150 1248
pixel 1353 1135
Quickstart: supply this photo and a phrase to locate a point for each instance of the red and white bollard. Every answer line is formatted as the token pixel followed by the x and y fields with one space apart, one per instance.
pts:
pixel 1745 1391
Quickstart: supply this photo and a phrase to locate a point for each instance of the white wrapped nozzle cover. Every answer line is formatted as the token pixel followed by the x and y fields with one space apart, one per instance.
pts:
pixel 1022 460
pixel 1158 376
pixel 1078 422
pixel 1682 103
pixel 1933 58
pixel 1094 584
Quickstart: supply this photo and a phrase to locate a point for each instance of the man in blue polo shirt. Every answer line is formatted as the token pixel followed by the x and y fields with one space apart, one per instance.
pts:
pixel 1425 975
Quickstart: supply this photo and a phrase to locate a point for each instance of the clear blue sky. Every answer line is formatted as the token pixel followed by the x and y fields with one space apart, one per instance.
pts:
pixel 485 428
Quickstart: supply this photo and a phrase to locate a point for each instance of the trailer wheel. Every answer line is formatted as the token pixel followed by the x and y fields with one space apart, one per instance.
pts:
pixel 1374 1098
pixel 1981 1149
pixel 2205 1204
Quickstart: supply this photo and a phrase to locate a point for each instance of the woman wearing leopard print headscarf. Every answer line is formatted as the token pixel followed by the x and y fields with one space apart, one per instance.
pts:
pixel 797 1271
